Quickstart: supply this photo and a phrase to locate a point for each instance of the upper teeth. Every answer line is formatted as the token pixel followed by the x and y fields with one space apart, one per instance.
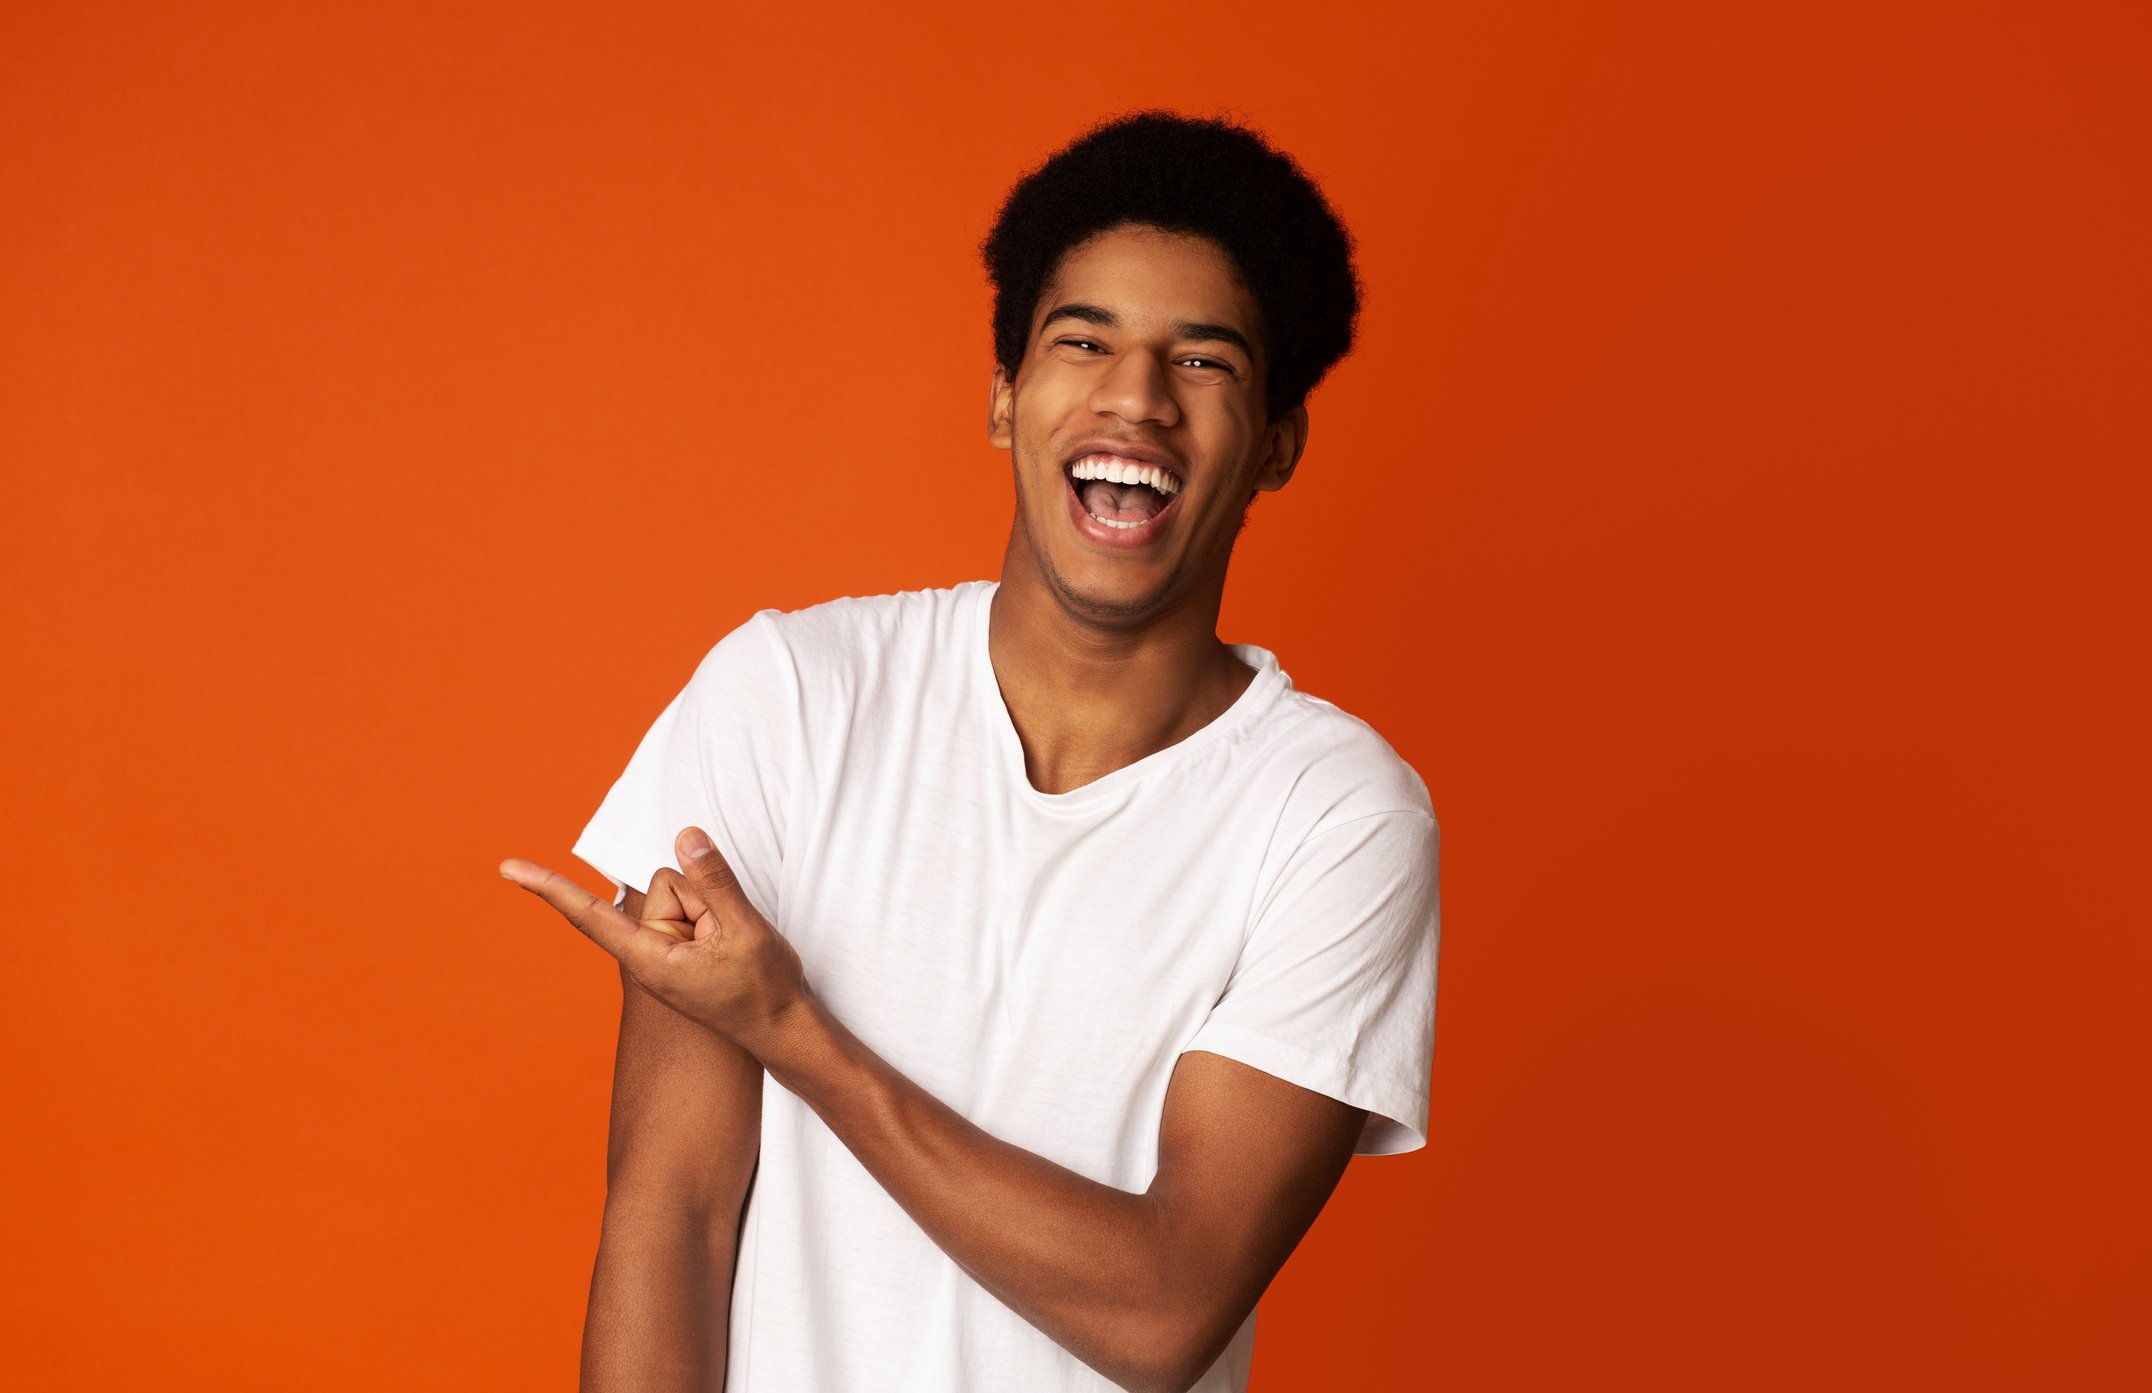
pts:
pixel 1124 471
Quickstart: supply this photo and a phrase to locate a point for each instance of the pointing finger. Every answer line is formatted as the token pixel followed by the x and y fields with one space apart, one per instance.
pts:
pixel 605 926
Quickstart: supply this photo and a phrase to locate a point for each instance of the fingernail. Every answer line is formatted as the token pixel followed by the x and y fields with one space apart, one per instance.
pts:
pixel 698 843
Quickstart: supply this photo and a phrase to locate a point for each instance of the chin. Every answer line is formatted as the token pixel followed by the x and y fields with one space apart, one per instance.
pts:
pixel 1107 604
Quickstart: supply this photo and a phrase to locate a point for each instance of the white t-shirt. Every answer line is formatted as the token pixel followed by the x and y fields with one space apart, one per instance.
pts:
pixel 1265 890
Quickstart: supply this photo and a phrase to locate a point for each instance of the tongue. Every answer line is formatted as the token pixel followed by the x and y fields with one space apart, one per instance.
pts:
pixel 1121 502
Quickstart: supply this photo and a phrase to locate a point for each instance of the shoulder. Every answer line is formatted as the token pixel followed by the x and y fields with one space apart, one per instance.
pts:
pixel 856 623
pixel 1334 766
pixel 849 643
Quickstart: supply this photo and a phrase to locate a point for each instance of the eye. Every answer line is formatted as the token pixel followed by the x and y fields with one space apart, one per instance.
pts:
pixel 1081 343
pixel 1218 363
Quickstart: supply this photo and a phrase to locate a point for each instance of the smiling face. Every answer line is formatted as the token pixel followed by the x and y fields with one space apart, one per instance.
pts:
pixel 1137 428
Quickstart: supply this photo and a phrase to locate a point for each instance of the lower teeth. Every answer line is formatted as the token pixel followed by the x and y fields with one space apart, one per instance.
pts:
pixel 1115 522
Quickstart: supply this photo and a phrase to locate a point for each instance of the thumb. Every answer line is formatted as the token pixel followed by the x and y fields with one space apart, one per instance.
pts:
pixel 712 877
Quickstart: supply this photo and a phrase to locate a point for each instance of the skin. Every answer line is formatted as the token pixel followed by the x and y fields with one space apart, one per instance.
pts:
pixel 1103 656
pixel 1107 656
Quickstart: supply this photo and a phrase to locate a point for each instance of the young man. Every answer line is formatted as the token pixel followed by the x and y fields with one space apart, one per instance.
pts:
pixel 1079 949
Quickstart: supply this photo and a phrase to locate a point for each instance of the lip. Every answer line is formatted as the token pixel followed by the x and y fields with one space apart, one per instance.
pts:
pixel 1119 538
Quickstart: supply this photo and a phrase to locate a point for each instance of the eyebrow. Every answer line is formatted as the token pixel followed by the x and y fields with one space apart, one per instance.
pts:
pixel 1105 319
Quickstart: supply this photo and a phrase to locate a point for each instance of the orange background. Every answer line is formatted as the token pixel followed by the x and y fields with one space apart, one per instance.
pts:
pixel 1735 510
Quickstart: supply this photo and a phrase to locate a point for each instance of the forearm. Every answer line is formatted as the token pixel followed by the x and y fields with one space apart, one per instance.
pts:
pixel 1086 1263
pixel 660 1300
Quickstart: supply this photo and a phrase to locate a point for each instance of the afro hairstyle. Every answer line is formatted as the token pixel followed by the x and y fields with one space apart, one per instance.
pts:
pixel 1209 177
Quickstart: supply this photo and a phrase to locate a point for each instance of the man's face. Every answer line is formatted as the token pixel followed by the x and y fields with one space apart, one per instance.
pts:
pixel 1146 352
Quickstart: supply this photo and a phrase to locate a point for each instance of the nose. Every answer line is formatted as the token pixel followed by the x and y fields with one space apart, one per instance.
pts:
pixel 1135 388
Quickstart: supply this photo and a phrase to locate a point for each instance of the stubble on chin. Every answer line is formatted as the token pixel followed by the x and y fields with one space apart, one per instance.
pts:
pixel 1100 611
pixel 1105 613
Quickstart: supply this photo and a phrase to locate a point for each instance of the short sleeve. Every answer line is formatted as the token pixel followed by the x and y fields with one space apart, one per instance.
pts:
pixel 1335 988
pixel 716 758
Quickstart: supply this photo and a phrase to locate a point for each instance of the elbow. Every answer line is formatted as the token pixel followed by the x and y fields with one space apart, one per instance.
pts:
pixel 1173 1380
pixel 1190 1311
pixel 1147 1376
pixel 1189 1370
pixel 1174 1354
pixel 1166 1377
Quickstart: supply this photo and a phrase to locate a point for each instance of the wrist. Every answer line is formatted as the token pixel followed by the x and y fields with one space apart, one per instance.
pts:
pixel 783 1043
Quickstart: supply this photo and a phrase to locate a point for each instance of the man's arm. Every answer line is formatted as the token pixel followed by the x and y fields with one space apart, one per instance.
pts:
pixel 1147 1289
pixel 680 1153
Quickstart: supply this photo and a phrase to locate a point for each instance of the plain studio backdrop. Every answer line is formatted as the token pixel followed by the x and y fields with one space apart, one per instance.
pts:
pixel 1735 510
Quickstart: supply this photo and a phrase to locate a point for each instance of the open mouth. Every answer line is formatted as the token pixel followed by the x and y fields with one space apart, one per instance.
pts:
pixel 1122 493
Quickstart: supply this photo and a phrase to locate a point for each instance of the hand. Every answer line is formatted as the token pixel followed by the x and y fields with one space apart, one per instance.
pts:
pixel 702 948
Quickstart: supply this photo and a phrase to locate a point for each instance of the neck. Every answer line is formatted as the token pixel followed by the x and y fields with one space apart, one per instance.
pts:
pixel 1088 698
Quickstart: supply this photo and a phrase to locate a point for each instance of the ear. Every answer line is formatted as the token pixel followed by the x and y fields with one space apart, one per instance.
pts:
pixel 1000 408
pixel 1287 439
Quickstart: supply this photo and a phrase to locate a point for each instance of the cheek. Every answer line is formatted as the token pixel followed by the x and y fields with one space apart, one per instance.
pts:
pixel 1033 421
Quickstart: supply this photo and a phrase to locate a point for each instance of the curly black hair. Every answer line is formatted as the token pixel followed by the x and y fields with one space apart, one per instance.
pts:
pixel 1210 177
